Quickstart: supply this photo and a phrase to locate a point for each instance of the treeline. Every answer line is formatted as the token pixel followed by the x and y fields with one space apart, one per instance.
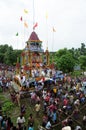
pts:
pixel 8 55
pixel 64 59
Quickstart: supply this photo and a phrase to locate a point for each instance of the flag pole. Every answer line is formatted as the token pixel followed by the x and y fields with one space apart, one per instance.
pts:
pixel 17 41
pixel 46 31
pixel 22 28
pixel 24 31
pixel 33 15
pixel 52 44
pixel 53 31
pixel 52 40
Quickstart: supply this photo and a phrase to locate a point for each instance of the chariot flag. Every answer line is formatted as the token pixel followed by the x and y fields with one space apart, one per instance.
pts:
pixel 25 11
pixel 21 18
pixel 25 24
pixel 17 34
pixel 46 15
pixel 54 29
pixel 35 25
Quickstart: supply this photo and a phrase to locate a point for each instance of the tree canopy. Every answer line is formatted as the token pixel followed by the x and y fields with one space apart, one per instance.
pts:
pixel 8 55
pixel 65 59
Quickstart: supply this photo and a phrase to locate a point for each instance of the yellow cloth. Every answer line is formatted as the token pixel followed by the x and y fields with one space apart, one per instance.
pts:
pixel 54 90
pixel 77 87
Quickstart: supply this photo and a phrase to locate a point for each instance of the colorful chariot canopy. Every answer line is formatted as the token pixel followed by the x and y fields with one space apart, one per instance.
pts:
pixel 34 38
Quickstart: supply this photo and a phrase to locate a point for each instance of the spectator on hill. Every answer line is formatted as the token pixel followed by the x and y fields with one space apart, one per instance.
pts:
pixel 30 120
pixel 37 108
pixel 48 125
pixel 23 109
pixel 18 98
pixel 54 116
pixel 44 119
pixel 78 128
pixel 3 123
pixel 31 127
pixel 84 120
pixel 9 123
pixel 20 122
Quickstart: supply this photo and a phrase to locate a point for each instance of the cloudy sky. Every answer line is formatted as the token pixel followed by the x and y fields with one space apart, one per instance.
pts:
pixel 68 17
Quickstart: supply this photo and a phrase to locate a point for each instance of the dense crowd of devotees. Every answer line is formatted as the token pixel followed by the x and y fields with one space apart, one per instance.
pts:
pixel 55 104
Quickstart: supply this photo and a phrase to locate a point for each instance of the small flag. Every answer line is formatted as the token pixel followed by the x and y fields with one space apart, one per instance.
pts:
pixel 17 34
pixel 21 18
pixel 35 25
pixel 54 29
pixel 25 24
pixel 25 11
pixel 46 15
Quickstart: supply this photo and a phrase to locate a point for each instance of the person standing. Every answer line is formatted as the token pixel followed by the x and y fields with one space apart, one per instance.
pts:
pixel 37 108
pixel 18 98
pixel 48 125
pixel 54 116
pixel 30 120
pixel 9 123
pixel 31 127
pixel 20 122
pixel 84 120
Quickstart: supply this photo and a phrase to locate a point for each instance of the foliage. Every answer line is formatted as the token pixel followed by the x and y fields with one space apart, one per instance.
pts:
pixel 1 57
pixel 76 73
pixel 3 48
pixel 64 60
pixel 52 55
pixel 8 55
pixel 61 52
pixel 0 89
pixel 66 63
pixel 7 106
pixel 82 60
pixel 83 49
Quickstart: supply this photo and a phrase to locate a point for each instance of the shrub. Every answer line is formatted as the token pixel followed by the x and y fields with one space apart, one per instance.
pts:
pixel 7 106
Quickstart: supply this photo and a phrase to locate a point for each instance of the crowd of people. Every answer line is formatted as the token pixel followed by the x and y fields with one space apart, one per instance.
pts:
pixel 61 99
pixel 56 104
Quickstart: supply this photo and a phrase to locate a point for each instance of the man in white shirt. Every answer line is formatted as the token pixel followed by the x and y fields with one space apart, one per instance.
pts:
pixel 21 121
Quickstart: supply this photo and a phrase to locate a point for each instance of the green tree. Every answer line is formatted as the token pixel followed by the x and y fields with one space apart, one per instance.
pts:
pixel 8 58
pixel 83 49
pixel 16 53
pixel 61 52
pixel 64 60
pixel 82 60
pixel 3 49
pixel 8 55
pixel 1 57
pixel 66 63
